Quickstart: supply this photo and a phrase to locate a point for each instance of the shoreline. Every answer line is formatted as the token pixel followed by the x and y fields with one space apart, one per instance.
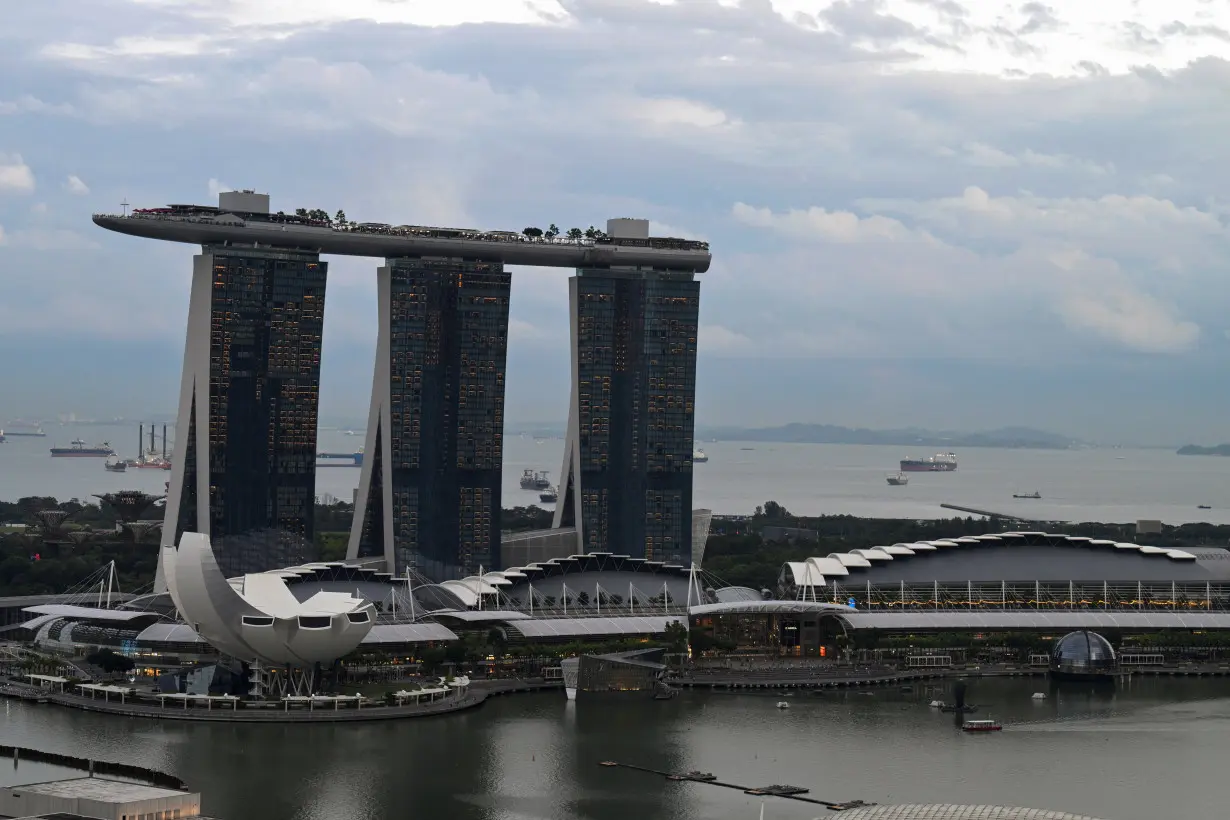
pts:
pixel 477 696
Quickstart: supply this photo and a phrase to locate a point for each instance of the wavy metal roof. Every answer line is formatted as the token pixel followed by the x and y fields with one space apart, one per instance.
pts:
pixel 1054 620
pixel 850 567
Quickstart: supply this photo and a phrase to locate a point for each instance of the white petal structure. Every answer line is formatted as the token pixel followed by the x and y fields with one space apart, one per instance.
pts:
pixel 257 618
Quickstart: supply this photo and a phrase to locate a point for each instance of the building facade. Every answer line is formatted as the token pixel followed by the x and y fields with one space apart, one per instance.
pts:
pixel 429 494
pixel 244 463
pixel 626 481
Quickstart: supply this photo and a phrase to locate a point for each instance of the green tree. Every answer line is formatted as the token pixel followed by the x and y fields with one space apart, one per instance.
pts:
pixel 532 233
pixel 552 231
pixel 676 637
pixel 340 218
pixel 575 233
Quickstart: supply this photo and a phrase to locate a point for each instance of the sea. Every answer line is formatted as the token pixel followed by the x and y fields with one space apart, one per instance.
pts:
pixel 1150 749
pixel 1104 485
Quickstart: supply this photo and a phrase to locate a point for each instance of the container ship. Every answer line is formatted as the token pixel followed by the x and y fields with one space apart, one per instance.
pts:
pixel 938 463
pixel 79 450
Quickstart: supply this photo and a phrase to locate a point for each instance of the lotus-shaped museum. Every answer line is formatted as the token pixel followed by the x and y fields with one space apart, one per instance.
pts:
pixel 256 618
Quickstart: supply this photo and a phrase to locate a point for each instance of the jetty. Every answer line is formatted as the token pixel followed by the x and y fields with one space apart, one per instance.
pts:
pixel 777 790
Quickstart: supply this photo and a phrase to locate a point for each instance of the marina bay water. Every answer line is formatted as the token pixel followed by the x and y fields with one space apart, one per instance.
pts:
pixel 1152 748
pixel 810 479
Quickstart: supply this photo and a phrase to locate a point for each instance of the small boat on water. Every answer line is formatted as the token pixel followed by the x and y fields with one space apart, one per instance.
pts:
pixel 938 704
pixel 1203 507
pixel 549 495
pixel 115 466
pixel 781 704
pixel 1034 494
pixel 898 480
pixel 981 726
pixel 699 457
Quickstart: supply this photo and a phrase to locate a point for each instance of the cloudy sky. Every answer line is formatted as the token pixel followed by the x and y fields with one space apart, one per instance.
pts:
pixel 946 213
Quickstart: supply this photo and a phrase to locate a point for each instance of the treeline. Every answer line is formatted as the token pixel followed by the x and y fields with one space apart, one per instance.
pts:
pixel 35 562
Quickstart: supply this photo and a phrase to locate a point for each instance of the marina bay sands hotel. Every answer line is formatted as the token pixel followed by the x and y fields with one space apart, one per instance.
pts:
pixel 430 491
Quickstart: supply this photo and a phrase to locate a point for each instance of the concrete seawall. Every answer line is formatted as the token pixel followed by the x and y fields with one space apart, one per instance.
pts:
pixel 479 692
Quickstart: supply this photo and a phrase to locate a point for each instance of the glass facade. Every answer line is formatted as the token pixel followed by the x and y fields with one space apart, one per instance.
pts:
pixel 636 394
pixel 448 345
pixel 265 326
pixel 1083 653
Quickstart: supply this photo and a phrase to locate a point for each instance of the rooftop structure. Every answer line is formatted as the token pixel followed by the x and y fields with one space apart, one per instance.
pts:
pixel 230 224
pixel 97 797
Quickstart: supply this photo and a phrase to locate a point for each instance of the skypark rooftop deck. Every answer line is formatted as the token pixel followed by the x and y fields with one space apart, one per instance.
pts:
pixel 206 225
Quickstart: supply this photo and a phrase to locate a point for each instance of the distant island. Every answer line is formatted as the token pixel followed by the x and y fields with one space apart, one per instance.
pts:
pixel 1007 437
pixel 1197 450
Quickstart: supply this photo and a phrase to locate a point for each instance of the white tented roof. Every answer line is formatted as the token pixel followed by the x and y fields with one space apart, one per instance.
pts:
pixel 86 613
pixel 422 632
pixel 820 571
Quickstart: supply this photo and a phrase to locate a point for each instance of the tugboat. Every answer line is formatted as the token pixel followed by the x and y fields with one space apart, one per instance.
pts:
pixel 549 496
pixel 898 480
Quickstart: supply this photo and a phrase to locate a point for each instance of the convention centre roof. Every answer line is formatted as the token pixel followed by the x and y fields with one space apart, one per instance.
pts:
pixel 1009 556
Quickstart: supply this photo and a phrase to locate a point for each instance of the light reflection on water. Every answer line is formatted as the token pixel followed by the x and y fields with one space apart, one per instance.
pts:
pixel 1135 753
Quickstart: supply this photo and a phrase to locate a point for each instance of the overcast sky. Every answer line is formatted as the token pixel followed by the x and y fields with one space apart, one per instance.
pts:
pixel 945 213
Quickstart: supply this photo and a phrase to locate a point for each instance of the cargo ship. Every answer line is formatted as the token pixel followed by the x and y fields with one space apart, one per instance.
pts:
pixel 79 450
pixel 938 463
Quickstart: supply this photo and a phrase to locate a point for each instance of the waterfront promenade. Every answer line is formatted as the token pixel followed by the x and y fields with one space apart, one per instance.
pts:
pixel 476 695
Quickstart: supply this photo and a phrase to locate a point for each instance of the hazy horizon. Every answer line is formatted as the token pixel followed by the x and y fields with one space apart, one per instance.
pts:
pixel 926 213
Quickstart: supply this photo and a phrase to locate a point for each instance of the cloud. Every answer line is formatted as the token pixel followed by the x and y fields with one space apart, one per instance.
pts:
pixel 1131 319
pixel 892 181
pixel 831 226
pixel 722 340
pixel 15 175
pixel 74 185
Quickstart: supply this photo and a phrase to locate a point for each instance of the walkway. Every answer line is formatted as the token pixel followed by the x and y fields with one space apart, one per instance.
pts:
pixel 478 693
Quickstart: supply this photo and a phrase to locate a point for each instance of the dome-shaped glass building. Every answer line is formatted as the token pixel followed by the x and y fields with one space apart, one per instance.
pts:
pixel 1083 655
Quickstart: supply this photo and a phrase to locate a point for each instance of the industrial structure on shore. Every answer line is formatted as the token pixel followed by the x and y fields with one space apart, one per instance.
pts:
pixel 429 495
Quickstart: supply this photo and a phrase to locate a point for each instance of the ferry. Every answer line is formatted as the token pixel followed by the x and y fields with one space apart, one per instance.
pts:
pixel 938 463
pixel 981 726
pixel 79 450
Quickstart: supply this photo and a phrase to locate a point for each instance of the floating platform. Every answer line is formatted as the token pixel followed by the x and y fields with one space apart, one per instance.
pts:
pixel 783 791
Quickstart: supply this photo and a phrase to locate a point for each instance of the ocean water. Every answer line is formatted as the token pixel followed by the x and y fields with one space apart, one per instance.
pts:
pixel 809 479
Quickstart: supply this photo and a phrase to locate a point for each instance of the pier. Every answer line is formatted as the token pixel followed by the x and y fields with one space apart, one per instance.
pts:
pixel 784 792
